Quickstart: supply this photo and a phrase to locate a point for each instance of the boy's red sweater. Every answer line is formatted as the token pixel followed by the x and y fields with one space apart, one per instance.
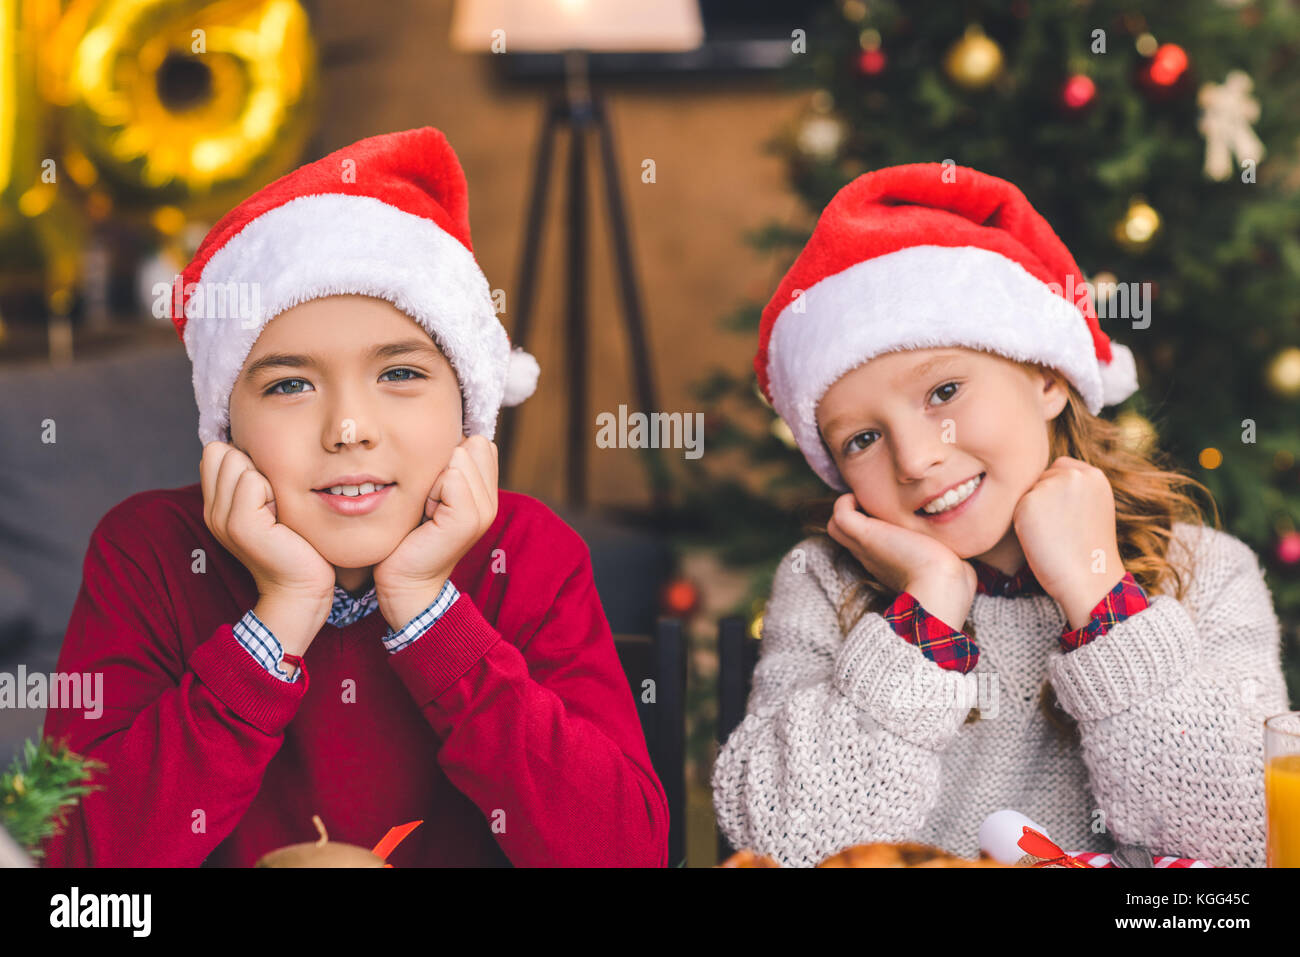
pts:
pixel 509 728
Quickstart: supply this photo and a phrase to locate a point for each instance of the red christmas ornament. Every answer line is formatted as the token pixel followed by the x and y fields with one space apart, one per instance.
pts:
pixel 680 598
pixel 871 62
pixel 1168 64
pixel 1078 93
pixel 1166 74
pixel 1288 548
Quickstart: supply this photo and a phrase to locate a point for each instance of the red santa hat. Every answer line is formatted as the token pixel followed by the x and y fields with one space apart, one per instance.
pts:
pixel 922 256
pixel 387 217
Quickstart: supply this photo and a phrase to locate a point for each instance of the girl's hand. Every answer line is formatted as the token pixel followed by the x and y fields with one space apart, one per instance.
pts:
pixel 460 507
pixel 906 561
pixel 239 510
pixel 1066 528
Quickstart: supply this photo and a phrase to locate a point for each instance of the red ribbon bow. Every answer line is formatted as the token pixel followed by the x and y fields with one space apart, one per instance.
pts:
pixel 392 839
pixel 1032 842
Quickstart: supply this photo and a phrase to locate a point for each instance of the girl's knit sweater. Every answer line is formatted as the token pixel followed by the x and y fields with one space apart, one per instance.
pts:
pixel 861 738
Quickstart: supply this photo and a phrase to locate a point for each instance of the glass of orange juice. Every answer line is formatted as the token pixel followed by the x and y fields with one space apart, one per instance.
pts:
pixel 1282 788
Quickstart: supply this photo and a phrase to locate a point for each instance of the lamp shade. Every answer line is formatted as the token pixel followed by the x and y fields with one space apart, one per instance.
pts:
pixel 553 26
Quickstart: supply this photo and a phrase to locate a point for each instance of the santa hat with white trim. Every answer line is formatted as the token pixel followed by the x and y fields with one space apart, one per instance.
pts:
pixel 923 256
pixel 387 217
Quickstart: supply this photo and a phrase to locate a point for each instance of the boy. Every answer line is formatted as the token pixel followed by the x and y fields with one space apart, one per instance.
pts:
pixel 345 617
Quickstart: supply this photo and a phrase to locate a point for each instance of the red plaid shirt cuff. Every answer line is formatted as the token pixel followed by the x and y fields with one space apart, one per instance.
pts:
pixel 1125 599
pixel 947 648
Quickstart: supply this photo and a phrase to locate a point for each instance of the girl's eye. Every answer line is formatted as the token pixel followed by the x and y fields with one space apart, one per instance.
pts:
pixel 944 386
pixel 272 389
pixel 852 444
pixel 414 375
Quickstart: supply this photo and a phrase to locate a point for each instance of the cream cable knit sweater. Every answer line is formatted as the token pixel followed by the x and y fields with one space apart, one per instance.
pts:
pixel 860 739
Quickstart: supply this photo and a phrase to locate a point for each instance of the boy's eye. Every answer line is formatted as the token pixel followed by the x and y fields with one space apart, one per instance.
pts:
pixel 274 390
pixel 414 375
pixel 853 445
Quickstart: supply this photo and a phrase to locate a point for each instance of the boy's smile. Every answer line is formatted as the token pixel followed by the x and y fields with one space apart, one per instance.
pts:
pixel 949 427
pixel 350 410
pixel 354 495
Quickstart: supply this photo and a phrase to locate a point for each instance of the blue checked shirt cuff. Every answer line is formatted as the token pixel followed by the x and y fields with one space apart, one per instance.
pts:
pixel 417 626
pixel 263 646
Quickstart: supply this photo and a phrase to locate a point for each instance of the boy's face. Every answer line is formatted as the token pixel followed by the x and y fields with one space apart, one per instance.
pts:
pixel 314 403
pixel 901 430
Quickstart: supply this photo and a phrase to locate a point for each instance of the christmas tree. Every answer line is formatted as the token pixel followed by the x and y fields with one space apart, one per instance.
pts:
pixel 1160 142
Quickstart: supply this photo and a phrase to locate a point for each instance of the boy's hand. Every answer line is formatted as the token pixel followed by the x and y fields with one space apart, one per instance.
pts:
pixel 460 507
pixel 1066 528
pixel 239 510
pixel 906 561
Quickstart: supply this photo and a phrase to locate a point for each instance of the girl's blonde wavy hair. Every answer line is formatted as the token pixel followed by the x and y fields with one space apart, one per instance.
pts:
pixel 1150 496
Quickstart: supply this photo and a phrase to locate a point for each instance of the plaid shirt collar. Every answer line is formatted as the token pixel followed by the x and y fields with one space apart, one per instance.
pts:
pixel 995 582
pixel 346 609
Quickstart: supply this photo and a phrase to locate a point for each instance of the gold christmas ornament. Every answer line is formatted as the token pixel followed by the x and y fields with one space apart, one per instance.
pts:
pixel 820 136
pixel 757 608
pixel 974 61
pixel 1283 373
pixel 1138 227
pixel 783 432
pixel 1137 433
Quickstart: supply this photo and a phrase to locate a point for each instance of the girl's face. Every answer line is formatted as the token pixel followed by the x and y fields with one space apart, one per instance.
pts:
pixel 341 386
pixel 908 425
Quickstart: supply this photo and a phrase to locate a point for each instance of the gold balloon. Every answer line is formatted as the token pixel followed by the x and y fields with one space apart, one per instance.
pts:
pixel 1283 373
pixel 35 210
pixel 185 102
pixel 21 180
pixel 974 61
pixel 1138 227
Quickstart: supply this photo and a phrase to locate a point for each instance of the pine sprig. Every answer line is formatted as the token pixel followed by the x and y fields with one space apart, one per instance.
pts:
pixel 36 789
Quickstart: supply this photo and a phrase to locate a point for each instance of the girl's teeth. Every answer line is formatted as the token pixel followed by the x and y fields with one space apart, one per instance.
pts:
pixel 953 498
pixel 353 490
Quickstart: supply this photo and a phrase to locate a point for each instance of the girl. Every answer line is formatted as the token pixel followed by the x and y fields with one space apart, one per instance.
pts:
pixel 1005 607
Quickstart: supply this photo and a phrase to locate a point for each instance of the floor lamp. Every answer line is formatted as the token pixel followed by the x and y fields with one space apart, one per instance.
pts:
pixel 575 28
